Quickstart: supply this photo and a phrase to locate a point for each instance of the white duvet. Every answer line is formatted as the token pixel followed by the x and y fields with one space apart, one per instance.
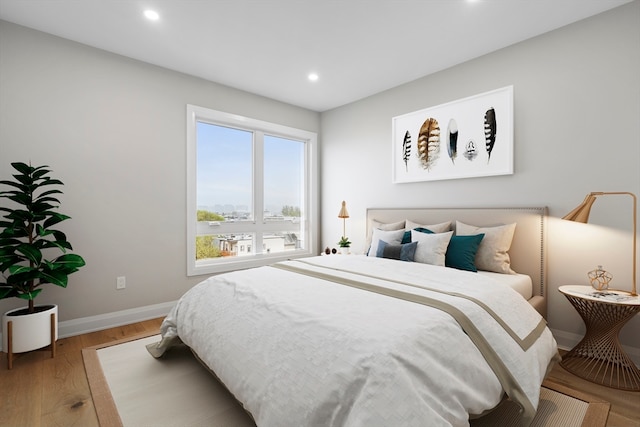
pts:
pixel 300 351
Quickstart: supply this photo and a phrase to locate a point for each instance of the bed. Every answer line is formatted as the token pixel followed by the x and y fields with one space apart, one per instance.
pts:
pixel 373 340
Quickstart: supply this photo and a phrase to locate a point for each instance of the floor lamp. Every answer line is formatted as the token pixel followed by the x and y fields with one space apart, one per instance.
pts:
pixel 581 214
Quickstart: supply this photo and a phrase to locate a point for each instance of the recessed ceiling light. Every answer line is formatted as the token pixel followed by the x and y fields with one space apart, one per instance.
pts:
pixel 151 15
pixel 313 77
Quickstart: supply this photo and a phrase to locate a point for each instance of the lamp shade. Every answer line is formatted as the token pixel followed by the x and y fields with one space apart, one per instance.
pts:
pixel 581 213
pixel 343 211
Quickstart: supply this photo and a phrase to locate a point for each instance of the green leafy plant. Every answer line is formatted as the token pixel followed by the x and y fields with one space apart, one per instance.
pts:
pixel 205 248
pixel 208 216
pixel 27 238
pixel 344 242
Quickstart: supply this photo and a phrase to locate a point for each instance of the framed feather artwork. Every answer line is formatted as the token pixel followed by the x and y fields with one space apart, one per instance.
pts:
pixel 470 137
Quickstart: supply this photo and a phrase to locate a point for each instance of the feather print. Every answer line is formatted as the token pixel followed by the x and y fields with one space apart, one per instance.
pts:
pixel 470 151
pixel 429 143
pixel 490 130
pixel 452 147
pixel 406 149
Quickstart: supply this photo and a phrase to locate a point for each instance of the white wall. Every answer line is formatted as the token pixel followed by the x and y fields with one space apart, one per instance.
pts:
pixel 113 130
pixel 577 129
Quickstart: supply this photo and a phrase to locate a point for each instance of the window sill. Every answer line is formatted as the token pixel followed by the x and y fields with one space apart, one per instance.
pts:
pixel 210 267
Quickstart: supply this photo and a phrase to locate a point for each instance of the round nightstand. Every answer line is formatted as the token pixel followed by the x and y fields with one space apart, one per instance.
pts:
pixel 599 357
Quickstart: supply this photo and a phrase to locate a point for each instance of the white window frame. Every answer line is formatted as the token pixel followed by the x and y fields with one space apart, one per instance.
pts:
pixel 197 114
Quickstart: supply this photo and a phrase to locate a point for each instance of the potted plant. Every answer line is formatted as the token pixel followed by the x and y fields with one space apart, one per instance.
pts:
pixel 32 254
pixel 344 244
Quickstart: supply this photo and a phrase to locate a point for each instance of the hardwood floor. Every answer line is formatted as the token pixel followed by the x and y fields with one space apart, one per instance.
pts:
pixel 41 391
pixel 625 405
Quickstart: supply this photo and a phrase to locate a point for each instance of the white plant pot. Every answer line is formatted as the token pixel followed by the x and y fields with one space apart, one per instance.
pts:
pixel 29 331
pixel 344 251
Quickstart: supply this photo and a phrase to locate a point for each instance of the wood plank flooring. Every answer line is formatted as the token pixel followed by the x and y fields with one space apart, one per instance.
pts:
pixel 41 391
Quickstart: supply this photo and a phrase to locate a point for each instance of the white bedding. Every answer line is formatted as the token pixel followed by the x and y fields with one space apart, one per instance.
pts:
pixel 521 283
pixel 300 351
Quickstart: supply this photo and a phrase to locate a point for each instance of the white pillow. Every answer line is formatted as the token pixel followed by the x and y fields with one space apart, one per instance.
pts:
pixel 436 228
pixel 382 226
pixel 387 226
pixel 432 248
pixel 492 253
pixel 393 237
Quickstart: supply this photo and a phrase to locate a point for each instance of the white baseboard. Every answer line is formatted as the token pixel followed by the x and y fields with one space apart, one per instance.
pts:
pixel 83 325
pixel 568 340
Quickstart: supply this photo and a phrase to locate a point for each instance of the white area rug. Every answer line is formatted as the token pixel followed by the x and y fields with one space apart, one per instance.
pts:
pixel 554 410
pixel 175 391
pixel 132 389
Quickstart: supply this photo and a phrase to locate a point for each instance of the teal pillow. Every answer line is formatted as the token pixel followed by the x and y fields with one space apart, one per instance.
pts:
pixel 406 237
pixel 403 252
pixel 461 253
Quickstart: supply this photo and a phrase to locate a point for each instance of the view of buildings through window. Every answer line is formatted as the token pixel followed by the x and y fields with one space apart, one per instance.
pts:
pixel 249 191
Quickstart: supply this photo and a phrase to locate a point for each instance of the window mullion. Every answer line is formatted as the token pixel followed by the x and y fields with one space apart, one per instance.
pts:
pixel 258 188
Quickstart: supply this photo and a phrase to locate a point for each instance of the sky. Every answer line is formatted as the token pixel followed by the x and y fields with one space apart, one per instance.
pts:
pixel 225 168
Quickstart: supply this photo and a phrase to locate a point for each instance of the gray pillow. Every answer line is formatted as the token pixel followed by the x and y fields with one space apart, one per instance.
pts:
pixel 402 252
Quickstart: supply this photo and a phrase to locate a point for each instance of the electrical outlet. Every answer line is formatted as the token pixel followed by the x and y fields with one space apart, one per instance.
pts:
pixel 121 282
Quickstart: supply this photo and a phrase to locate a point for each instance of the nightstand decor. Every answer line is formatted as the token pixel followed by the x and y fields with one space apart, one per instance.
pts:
pixel 599 278
pixel 581 214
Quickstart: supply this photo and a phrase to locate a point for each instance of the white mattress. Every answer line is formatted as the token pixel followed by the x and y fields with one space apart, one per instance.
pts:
pixel 520 283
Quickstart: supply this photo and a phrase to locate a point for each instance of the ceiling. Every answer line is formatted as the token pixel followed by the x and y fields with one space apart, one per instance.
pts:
pixel 268 47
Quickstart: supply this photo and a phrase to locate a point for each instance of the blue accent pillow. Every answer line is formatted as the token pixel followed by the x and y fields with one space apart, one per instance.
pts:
pixel 403 252
pixel 406 238
pixel 461 253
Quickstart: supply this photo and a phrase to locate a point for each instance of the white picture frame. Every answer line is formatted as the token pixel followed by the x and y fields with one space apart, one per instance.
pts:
pixel 431 154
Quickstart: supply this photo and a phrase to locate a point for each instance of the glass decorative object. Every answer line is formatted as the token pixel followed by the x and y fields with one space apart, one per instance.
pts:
pixel 599 278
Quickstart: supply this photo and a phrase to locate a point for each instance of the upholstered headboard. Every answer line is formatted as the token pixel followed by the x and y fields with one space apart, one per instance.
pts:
pixel 528 248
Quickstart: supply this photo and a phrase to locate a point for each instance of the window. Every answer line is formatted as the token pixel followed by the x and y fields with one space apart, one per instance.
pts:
pixel 251 192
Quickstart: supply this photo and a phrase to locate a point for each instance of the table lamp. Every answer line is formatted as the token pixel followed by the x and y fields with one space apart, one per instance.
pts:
pixel 344 215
